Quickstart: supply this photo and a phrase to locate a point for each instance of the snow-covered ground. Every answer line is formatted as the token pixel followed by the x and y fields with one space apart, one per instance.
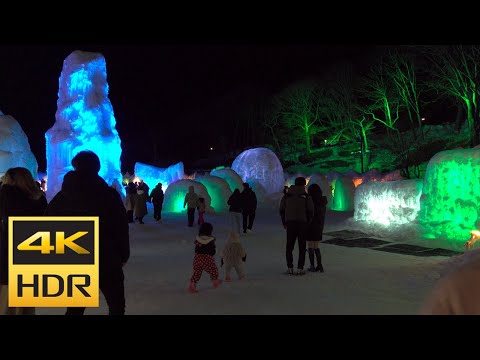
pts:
pixel 356 280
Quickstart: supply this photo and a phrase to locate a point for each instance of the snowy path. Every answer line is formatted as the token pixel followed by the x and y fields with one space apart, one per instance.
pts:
pixel 356 280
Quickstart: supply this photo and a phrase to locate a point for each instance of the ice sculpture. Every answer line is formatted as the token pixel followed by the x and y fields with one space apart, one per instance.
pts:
pixel 175 195
pixel 343 191
pixel 218 190
pixel 260 165
pixel 324 184
pixel 84 121
pixel 153 175
pixel 386 203
pixel 449 206
pixel 230 176
pixel 14 147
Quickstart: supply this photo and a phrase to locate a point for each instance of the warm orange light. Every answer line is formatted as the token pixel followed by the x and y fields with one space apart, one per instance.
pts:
pixel 357 181
pixel 475 235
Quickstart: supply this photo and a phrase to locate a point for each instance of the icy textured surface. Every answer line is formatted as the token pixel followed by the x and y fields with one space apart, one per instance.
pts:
pixel 84 120
pixel 385 203
pixel 218 190
pixel 230 176
pixel 175 195
pixel 14 147
pixel 449 206
pixel 343 191
pixel 260 165
pixel 153 175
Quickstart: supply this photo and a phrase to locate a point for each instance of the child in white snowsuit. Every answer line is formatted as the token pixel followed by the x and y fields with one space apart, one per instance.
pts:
pixel 233 256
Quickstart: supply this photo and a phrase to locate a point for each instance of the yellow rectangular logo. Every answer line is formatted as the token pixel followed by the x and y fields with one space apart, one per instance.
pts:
pixel 53 261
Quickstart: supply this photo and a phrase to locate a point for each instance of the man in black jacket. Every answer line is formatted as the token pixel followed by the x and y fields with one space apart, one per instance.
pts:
pixel 84 193
pixel 296 211
pixel 156 197
pixel 249 206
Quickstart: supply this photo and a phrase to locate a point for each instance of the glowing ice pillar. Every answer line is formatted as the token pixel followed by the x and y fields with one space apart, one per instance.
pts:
pixel 84 121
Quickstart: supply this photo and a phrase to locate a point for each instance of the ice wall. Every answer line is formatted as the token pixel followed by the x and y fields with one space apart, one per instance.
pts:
pixel 14 147
pixel 153 175
pixel 175 195
pixel 84 121
pixel 230 176
pixel 260 165
pixel 449 206
pixel 386 203
pixel 218 190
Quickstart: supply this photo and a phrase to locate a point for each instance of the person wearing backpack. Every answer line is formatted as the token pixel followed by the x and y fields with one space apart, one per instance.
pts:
pixel 296 211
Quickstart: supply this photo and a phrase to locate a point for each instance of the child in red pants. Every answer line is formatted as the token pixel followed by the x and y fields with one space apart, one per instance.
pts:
pixel 204 257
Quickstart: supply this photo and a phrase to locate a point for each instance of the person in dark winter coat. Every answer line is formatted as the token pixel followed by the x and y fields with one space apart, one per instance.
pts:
pixel 156 197
pixel 19 196
pixel 130 200
pixel 249 207
pixel 84 193
pixel 235 210
pixel 315 228
pixel 141 199
pixel 191 201
pixel 296 211
pixel 205 250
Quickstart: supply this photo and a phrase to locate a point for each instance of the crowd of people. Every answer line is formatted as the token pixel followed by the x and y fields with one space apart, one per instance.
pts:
pixel 84 193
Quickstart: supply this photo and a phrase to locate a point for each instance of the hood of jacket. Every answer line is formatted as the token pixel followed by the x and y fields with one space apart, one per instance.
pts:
pixel 204 239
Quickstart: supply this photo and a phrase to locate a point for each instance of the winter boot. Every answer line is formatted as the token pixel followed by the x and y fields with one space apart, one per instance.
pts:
pixel 192 288
pixel 216 283
pixel 319 260
pixel 290 271
pixel 300 272
pixel 311 257
pixel 228 278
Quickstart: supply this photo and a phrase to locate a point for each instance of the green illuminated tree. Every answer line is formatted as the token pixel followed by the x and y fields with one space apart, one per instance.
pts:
pixel 455 73
pixel 298 110
pixel 384 104
pixel 403 75
pixel 347 119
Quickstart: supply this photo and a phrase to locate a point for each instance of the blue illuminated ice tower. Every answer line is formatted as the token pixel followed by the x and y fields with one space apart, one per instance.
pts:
pixel 84 121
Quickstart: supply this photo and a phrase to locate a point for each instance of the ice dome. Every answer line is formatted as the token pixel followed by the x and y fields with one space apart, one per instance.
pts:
pixel 175 195
pixel 218 190
pixel 230 176
pixel 14 147
pixel 260 165
pixel 152 175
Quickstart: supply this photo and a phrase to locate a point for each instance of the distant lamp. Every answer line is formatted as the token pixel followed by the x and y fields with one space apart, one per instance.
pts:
pixel 325 141
pixel 423 119
pixel 211 148
pixel 475 235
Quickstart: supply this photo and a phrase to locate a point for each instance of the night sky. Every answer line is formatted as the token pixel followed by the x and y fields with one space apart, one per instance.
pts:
pixel 180 97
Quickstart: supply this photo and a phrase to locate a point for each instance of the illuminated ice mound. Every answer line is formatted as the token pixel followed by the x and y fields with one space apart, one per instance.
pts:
pixel 175 195
pixel 153 175
pixel 260 165
pixel 449 206
pixel 321 180
pixel 218 190
pixel 230 176
pixel 343 192
pixel 385 203
pixel 84 121
pixel 14 147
